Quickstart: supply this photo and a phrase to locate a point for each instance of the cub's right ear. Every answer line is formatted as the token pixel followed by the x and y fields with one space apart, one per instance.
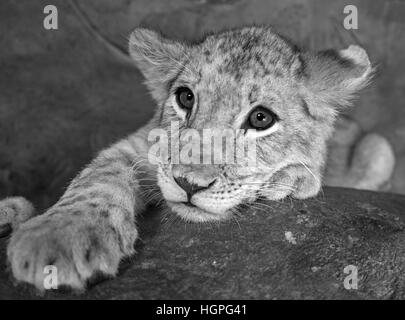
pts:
pixel 158 58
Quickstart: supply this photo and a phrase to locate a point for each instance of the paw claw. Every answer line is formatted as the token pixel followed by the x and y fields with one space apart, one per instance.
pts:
pixel 69 246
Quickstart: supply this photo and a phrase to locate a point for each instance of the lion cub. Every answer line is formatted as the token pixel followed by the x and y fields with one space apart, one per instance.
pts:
pixel 251 80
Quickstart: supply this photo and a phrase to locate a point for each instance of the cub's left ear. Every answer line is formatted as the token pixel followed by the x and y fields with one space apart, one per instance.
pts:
pixel 158 58
pixel 334 78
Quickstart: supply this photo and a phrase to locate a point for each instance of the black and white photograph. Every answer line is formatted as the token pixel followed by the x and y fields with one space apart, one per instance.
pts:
pixel 202 154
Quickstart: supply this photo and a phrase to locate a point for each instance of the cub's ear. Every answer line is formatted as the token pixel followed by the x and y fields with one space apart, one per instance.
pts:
pixel 334 77
pixel 158 58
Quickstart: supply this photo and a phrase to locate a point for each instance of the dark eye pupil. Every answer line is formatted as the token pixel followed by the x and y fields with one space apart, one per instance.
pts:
pixel 185 98
pixel 261 118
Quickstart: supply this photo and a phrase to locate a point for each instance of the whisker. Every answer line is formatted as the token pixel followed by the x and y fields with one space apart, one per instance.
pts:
pixel 309 170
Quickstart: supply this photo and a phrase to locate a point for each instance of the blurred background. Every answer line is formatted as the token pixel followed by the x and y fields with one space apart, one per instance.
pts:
pixel 67 93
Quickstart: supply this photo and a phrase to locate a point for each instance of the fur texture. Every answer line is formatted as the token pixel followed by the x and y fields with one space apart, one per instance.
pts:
pixel 93 226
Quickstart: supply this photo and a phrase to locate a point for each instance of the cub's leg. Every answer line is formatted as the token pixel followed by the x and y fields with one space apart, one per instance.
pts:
pixel 372 163
pixel 91 228
pixel 358 160
pixel 13 212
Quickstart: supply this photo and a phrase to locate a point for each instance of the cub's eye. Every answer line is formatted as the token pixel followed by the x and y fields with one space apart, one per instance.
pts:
pixel 185 98
pixel 261 118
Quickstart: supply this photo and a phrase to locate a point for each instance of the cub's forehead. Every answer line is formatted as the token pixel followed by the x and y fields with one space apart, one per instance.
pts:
pixel 257 50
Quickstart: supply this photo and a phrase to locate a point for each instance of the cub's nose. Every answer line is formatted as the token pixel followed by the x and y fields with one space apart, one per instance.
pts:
pixel 191 188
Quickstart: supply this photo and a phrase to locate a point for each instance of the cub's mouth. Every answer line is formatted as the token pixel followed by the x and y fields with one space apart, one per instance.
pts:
pixel 191 212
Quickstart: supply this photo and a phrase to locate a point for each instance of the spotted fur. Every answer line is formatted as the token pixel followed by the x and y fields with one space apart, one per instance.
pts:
pixel 93 226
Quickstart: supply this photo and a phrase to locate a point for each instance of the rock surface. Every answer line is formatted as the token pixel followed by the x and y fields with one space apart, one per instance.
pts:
pixel 279 250
pixel 64 95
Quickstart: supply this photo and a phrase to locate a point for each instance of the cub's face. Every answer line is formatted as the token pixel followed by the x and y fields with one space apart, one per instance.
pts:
pixel 272 103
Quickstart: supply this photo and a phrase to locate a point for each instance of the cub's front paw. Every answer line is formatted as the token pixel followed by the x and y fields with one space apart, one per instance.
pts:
pixel 13 212
pixel 77 247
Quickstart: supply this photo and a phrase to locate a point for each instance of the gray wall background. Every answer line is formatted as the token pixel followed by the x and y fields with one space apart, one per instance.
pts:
pixel 64 94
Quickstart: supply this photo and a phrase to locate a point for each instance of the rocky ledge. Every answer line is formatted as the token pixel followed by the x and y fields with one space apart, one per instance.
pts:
pixel 311 249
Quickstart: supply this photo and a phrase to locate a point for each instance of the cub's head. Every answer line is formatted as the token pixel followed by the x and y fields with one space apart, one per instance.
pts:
pixel 257 85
